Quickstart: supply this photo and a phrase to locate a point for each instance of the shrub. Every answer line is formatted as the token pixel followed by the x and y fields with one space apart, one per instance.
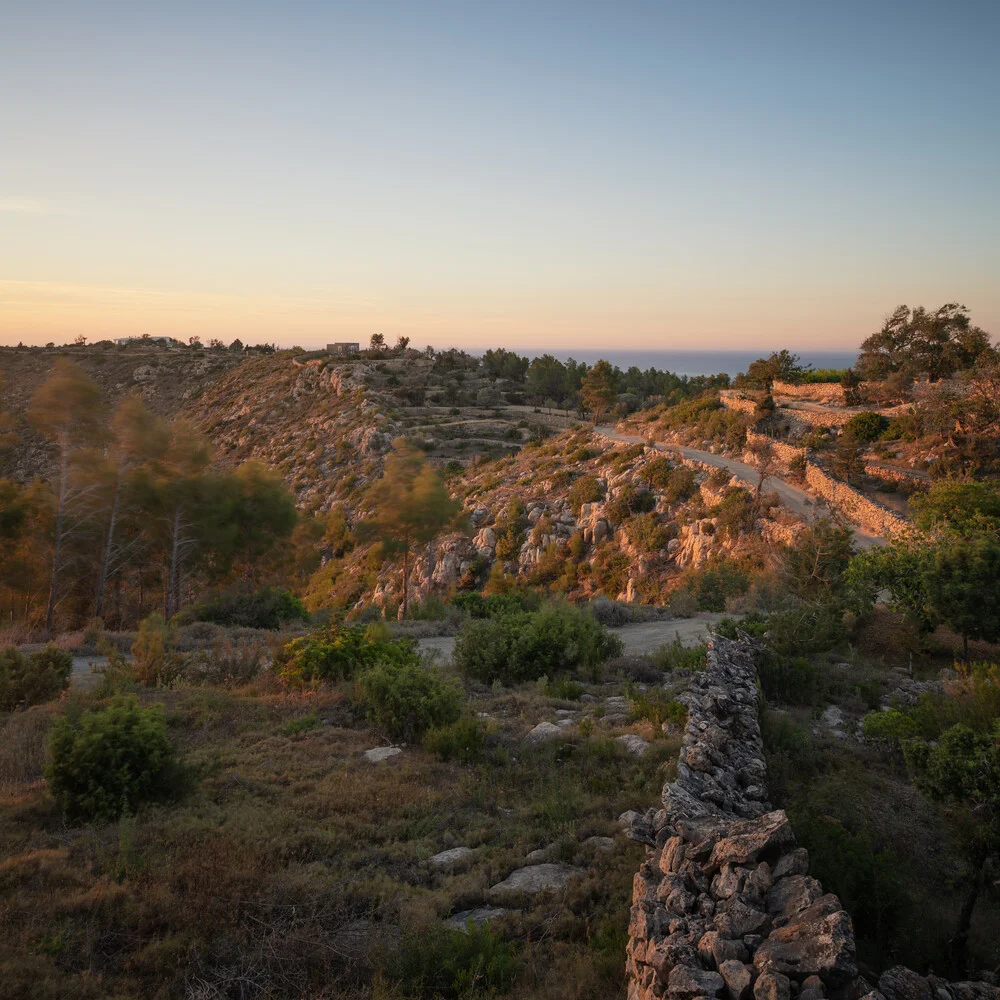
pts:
pixel 109 761
pixel 154 662
pixel 585 490
pixel 675 655
pixel 302 724
pixel 463 740
pixel 446 964
pixel 646 533
pixel 404 699
pixel 33 678
pixel 657 472
pixel 610 568
pixel 523 646
pixel 266 607
pixel 867 426
pixel 228 663
pixel 611 614
pixel 337 652
pixel 712 585
pixel 680 485
pixel 788 681
pixel 656 706
pixel 628 502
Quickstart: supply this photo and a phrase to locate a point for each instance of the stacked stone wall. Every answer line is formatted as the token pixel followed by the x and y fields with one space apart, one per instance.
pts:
pixel 786 453
pixel 732 400
pixel 822 392
pixel 723 905
pixel 873 517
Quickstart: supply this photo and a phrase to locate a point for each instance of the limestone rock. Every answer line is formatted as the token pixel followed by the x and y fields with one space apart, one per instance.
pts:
pixel 532 880
pixel 635 744
pixel 478 915
pixel 378 754
pixel 451 860
pixel 543 731
pixel 819 942
pixel 772 986
pixel 751 840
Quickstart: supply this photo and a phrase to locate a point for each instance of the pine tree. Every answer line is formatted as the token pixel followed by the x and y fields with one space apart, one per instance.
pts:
pixel 598 390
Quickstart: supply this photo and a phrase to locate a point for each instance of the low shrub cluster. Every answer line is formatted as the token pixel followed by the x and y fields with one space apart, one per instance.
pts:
pixel 404 699
pixel 108 761
pixel 523 646
pixel 338 652
pixel 585 490
pixel 265 607
pixel 478 606
pixel 30 679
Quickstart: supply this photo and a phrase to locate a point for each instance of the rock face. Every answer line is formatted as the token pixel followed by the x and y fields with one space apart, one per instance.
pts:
pixel 723 905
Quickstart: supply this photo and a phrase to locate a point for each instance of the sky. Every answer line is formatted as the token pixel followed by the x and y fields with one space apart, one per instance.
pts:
pixel 707 174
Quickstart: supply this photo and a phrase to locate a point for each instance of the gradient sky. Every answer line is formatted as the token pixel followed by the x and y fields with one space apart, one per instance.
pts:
pixel 715 173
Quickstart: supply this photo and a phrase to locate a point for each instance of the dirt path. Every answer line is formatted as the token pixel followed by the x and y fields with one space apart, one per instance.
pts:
pixel 795 499
pixel 640 638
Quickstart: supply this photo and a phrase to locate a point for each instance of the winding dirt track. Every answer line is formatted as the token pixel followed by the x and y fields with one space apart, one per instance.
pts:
pixel 795 499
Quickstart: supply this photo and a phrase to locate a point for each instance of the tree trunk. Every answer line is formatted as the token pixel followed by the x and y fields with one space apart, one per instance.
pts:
pixel 60 518
pixel 172 579
pixel 102 580
pixel 406 578
pixel 959 943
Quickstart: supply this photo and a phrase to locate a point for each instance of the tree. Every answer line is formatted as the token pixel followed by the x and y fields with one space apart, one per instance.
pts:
pixel 957 506
pixel 545 377
pixel 765 461
pixel 598 390
pixel 68 408
pixel 137 437
pixel 264 512
pixel 377 343
pixel 866 426
pixel 848 462
pixel 959 577
pixel 915 340
pixel 818 560
pixel 401 345
pixel 411 507
pixel 236 346
pixel 501 363
pixel 779 366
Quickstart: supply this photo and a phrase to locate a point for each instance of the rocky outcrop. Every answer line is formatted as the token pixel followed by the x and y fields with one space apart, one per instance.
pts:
pixel 723 905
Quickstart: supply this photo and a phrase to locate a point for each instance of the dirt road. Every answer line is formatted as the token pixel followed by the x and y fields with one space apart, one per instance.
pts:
pixel 795 499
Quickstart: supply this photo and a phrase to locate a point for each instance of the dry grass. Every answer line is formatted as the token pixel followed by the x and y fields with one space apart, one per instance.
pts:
pixel 297 869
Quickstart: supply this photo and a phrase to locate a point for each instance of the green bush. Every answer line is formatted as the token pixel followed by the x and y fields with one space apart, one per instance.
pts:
pixel 478 606
pixel 610 568
pixel 404 699
pixel 628 502
pixel 867 426
pixel 463 740
pixel 675 655
pixel 657 472
pixel 680 485
pixel 585 490
pixel 788 681
pixel 265 607
pixel 523 646
pixel 338 651
pixel 446 964
pixel 109 761
pixel 713 584
pixel 29 679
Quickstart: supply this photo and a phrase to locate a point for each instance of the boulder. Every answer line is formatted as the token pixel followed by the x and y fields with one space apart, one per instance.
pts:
pixel 543 731
pixel 532 880
pixel 478 915
pixel 772 986
pixel 377 754
pixel 451 860
pixel 635 744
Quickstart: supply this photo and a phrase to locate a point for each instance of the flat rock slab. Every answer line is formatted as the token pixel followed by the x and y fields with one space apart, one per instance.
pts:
pixel 379 754
pixel 533 879
pixel 634 744
pixel 542 732
pixel 456 857
pixel 479 915
pixel 601 844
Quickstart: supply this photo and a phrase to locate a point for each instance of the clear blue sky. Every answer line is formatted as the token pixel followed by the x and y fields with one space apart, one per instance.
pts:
pixel 707 174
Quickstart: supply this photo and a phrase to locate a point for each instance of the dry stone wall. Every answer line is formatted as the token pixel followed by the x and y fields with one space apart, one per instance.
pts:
pixel 723 905
pixel 873 517
pixel 822 392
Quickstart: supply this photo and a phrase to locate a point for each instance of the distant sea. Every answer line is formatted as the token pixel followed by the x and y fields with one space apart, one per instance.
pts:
pixel 696 362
